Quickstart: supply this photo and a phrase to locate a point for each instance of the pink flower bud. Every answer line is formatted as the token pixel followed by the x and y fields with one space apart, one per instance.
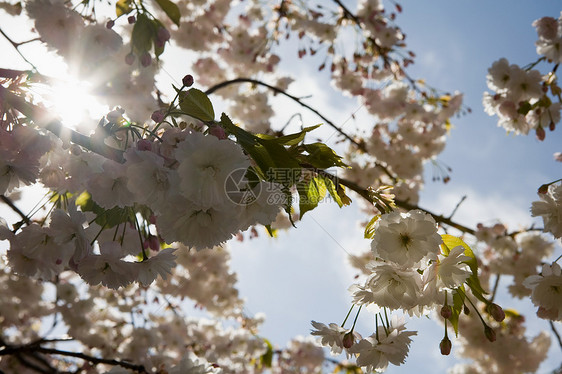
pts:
pixel 551 126
pixel 144 145
pixel 187 80
pixel 217 131
pixel 446 311
pixel 157 116
pixel 153 243
pixel 131 20
pixel 348 340
pixel 540 133
pixel 445 346
pixel 146 59
pixel 129 59
pixel 163 34
pixel 490 333
pixel 496 312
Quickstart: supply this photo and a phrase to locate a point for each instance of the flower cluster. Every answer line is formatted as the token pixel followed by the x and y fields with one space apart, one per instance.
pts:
pixel 409 262
pixel 521 99
pixel 407 271
pixel 546 289
pixel 550 38
pixel 188 184
pixel 519 255
pixel 549 207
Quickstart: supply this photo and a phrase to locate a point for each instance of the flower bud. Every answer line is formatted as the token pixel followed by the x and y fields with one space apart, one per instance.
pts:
pixel 348 340
pixel 466 310
pixel 551 126
pixel 131 20
pixel 146 59
pixel 144 145
pixel 540 133
pixel 157 116
pixel 187 80
pixel 445 346
pixel 446 311
pixel 163 34
pixel 543 189
pixel 490 333
pixel 496 312
pixel 129 59
pixel 218 132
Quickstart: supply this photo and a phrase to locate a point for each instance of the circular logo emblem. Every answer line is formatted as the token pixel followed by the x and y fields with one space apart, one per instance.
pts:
pixel 239 189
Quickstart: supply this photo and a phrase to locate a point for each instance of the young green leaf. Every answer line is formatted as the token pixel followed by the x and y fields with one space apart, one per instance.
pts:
pixel 457 308
pixel 171 10
pixel 321 156
pixel 123 7
pixel 473 282
pixel 143 33
pixel 310 194
pixel 196 104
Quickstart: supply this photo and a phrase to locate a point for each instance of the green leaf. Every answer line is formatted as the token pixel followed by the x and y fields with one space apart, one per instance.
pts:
pixel 331 187
pixel 104 217
pixel 293 139
pixel 524 108
pixel 123 7
pixel 321 156
pixel 267 357
pixel 310 194
pixel 450 242
pixel 143 33
pixel 171 10
pixel 271 231
pixel 196 104
pixel 458 305
pixel 273 160
pixel 370 228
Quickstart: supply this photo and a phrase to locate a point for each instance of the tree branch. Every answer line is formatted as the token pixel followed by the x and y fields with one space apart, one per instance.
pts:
pixel 553 328
pixel 364 193
pixel 29 349
pixel 16 47
pixel 46 120
pixel 360 145
pixel 11 204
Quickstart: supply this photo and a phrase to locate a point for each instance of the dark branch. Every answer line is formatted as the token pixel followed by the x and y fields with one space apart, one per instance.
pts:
pixel 358 144
pixel 16 47
pixel 553 328
pixel 365 194
pixel 18 351
pixel 44 119
pixel 11 204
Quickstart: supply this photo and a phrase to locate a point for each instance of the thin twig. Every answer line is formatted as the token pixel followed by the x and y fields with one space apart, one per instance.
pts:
pixel 44 119
pixel 457 206
pixel 553 328
pixel 11 204
pixel 16 47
